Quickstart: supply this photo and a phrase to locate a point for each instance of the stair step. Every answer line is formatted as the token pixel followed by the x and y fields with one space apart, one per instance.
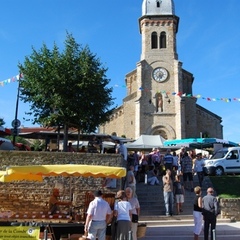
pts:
pixel 152 201
pixel 150 212
pixel 174 220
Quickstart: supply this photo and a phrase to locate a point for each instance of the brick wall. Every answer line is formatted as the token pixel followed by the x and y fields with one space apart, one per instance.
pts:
pixel 230 209
pixel 23 198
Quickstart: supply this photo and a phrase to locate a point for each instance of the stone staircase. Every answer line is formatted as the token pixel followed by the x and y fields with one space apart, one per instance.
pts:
pixel 153 208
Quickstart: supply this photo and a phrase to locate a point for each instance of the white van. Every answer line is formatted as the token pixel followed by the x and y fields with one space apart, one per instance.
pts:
pixel 224 161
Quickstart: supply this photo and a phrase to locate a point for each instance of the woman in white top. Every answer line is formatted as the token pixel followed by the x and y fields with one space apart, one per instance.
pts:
pixel 135 211
pixel 123 212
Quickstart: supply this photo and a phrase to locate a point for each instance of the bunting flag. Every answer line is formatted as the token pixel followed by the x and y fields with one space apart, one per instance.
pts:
pixel 179 94
pixel 9 80
pixel 188 95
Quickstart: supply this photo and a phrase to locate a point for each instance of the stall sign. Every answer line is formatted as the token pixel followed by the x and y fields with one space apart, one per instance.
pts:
pixel 19 232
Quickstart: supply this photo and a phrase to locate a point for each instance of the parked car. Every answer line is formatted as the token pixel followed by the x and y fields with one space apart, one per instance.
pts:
pixel 224 161
pixel 22 147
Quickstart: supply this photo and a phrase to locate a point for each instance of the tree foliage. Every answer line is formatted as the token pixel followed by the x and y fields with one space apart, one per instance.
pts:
pixel 18 139
pixel 2 122
pixel 66 88
pixel 37 145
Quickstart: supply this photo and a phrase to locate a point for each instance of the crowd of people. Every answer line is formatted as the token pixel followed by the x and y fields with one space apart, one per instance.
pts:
pixel 155 164
pixel 123 217
pixel 177 171
pixel 174 171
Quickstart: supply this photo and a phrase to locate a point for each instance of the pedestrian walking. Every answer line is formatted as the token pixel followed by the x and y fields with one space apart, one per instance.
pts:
pixel 99 214
pixel 210 212
pixel 198 168
pixel 178 191
pixel 187 172
pixel 135 211
pixel 123 212
pixel 168 160
pixel 168 192
pixel 131 181
pixel 197 212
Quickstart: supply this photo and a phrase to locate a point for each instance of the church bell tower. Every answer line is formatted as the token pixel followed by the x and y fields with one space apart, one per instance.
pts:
pixel 159 72
pixel 155 103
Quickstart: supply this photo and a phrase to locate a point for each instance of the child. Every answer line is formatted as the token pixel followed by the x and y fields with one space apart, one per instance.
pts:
pixel 178 191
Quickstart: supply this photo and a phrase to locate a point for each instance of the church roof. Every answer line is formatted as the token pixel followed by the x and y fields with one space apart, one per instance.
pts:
pixel 158 7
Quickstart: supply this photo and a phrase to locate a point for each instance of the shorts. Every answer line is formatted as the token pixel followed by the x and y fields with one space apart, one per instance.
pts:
pixel 179 198
pixel 187 176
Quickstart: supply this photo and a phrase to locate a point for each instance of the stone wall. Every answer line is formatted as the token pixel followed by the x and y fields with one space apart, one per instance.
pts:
pixel 230 209
pixel 24 198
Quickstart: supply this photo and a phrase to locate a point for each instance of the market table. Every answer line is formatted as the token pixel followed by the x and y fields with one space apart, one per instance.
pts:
pixel 57 229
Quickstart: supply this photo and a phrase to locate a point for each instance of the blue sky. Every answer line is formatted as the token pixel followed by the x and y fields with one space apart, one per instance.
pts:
pixel 207 45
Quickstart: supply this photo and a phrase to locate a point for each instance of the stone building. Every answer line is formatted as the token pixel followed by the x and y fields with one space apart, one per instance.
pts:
pixel 159 98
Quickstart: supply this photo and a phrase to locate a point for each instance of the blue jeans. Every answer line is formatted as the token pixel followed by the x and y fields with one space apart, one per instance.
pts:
pixel 97 229
pixel 168 199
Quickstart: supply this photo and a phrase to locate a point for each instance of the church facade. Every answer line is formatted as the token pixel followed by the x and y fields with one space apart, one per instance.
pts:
pixel 159 97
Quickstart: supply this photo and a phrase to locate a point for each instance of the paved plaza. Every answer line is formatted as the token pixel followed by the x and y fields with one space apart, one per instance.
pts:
pixel 224 231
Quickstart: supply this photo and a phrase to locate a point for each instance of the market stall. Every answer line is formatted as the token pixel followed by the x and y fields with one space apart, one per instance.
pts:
pixel 61 223
pixel 198 143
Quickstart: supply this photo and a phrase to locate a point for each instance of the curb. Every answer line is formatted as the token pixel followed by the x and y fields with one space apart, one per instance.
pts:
pixel 174 220
pixel 222 229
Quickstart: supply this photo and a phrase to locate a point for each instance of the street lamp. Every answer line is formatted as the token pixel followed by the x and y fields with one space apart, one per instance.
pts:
pixel 16 123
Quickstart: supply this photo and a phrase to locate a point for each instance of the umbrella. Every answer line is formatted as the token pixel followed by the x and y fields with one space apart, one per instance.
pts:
pixel 6 146
pixel 32 172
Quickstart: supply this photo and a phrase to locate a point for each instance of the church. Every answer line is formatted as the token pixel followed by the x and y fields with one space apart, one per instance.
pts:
pixel 159 98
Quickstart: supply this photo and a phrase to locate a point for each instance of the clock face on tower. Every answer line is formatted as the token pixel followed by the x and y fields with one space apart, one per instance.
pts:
pixel 160 74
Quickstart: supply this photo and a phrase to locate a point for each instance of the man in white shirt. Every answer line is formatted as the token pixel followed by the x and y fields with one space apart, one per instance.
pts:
pixel 98 215
pixel 122 149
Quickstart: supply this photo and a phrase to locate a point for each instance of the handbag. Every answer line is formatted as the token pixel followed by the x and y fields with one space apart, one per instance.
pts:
pixel 134 218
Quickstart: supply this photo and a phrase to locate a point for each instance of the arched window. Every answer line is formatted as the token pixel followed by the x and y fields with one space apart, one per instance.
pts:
pixel 154 40
pixel 158 4
pixel 163 40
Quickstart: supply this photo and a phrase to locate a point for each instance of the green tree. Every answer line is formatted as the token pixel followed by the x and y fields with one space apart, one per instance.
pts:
pixel 18 139
pixel 67 88
pixel 37 145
